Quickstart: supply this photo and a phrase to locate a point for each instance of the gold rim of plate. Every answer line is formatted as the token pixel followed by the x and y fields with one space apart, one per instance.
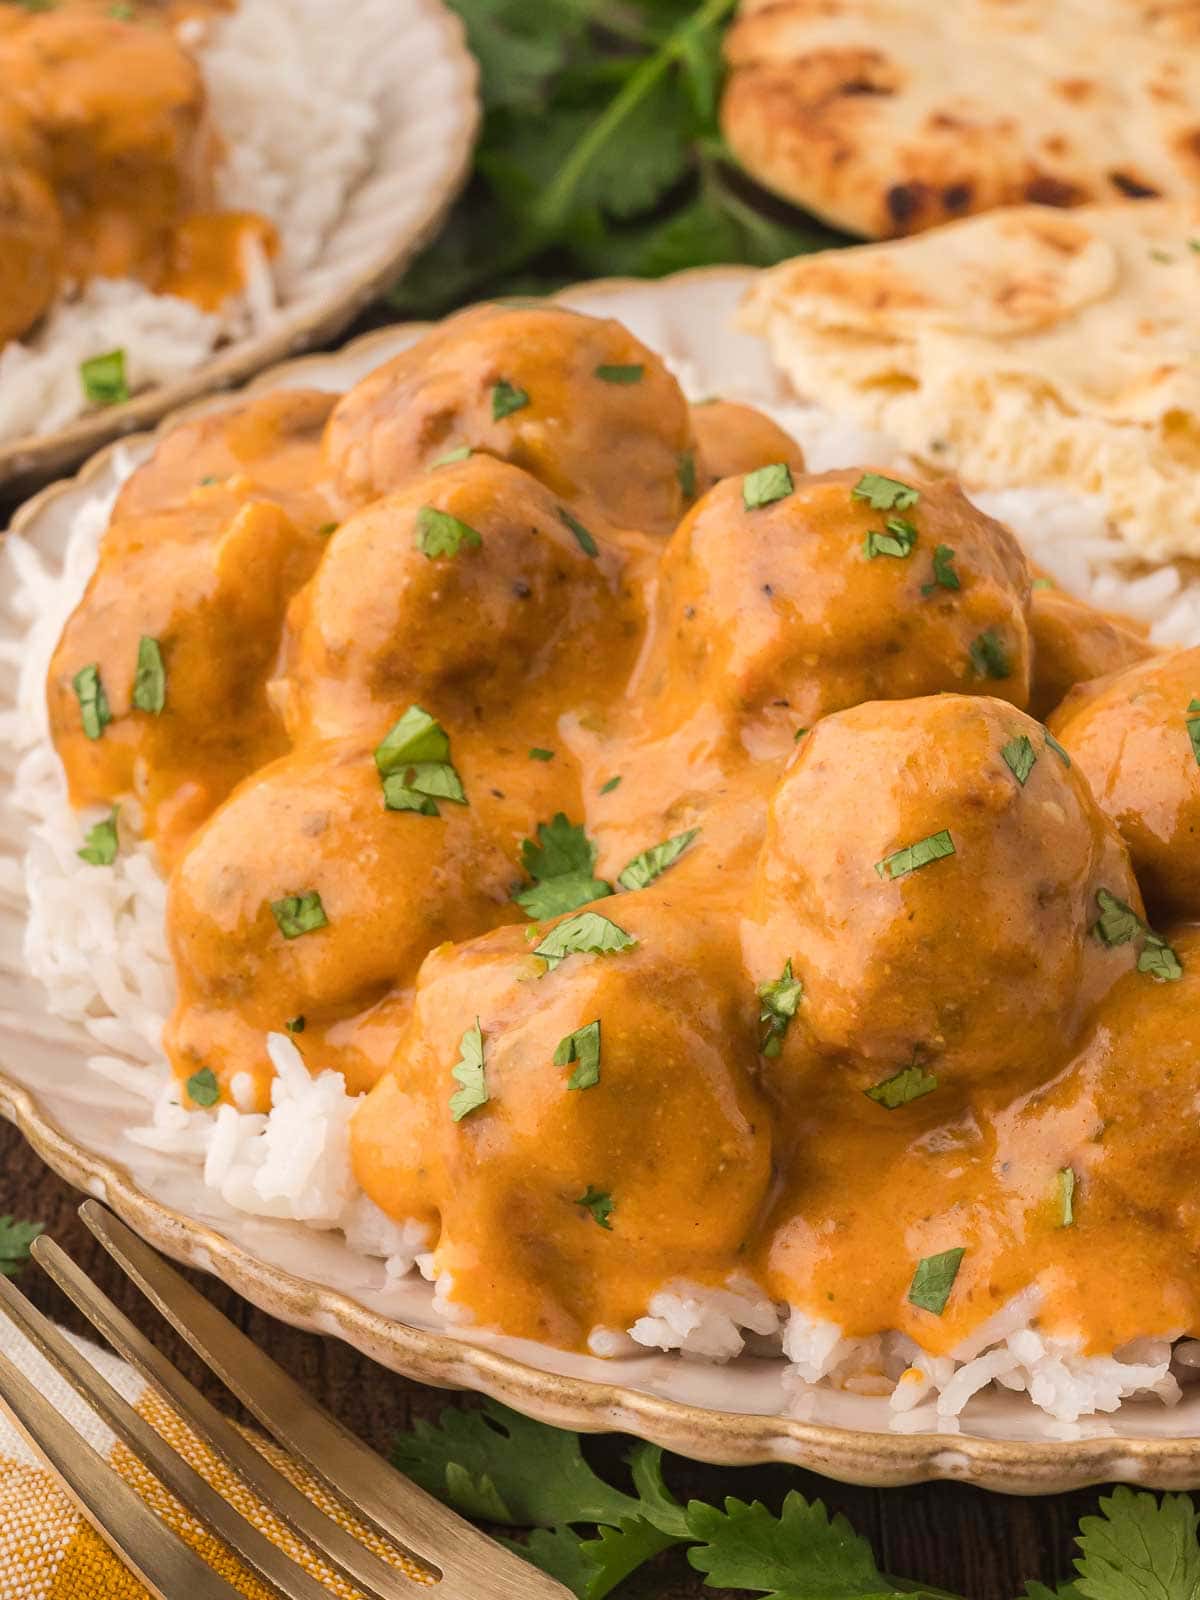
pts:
pixel 728 1438
pixel 31 459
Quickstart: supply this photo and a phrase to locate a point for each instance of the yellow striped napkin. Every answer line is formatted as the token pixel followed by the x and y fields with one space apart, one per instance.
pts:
pixel 47 1550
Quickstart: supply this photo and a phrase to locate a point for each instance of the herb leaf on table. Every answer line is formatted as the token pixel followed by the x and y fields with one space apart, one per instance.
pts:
pixel 15 1240
pixel 1139 1548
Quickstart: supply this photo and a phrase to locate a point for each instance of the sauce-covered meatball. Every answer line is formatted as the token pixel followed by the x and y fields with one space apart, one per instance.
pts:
pixel 784 599
pixel 32 229
pixel 604 1136
pixel 935 871
pixel 1137 740
pixel 472 588
pixel 732 439
pixel 576 401
pixel 1073 642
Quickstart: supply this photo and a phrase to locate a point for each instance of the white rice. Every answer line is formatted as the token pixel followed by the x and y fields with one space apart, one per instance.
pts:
pixel 296 95
pixel 95 940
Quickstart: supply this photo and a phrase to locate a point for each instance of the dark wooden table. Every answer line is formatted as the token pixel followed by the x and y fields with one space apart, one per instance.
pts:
pixel 978 1545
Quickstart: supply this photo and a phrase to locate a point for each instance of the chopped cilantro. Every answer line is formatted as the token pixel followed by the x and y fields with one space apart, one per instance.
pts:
pixel 644 868
pixel 15 1239
pixel 768 484
pixel 326 529
pixel 1117 923
pixel 93 702
pixel 122 11
pixel 799 734
pixel 207 481
pixel 582 1046
pixel 934 1279
pixel 599 1204
pixel 685 473
pixel 1066 1197
pixel 462 453
pixel 1159 960
pixel 295 1024
pixel 780 996
pixel 103 379
pixel 910 1083
pixel 440 534
pixel 1043 583
pixel 469 1071
pixel 561 863
pixel 1020 757
pixel 607 788
pixel 150 678
pixel 587 933
pixel 898 540
pixel 620 374
pixel 1053 744
pixel 884 494
pixel 989 657
pixel 507 398
pixel 203 1088
pixel 944 574
pixel 1192 714
pixel 101 843
pixel 536 753
pixel 298 914
pixel 413 760
pixel 582 537
pixel 911 857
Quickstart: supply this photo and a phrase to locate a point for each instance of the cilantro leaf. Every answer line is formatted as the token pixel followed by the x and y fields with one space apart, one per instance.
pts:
pixel 297 914
pixel 413 761
pixel 616 1552
pixel 912 857
pixel 562 1554
pixel 1117 923
pixel 599 1204
pixel 780 997
pixel 440 534
pixel 15 1239
pixel 802 1554
pixel 1020 757
pixel 415 737
pixel 507 398
pixel 652 863
pixel 94 712
pixel 583 537
pixel 518 51
pixel 884 494
pixel 103 379
pixel 933 1280
pixel 582 1046
pixel 1066 1197
pixel 944 574
pixel 554 896
pixel 1139 1548
pixel 203 1088
pixel 611 373
pixel 766 485
pixel 898 540
pixel 561 864
pixel 988 655
pixel 150 677
pixel 1159 960
pixel 470 1072
pixel 101 842
pixel 910 1083
pixel 1192 716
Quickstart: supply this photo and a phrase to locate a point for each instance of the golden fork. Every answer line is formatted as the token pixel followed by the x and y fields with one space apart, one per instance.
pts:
pixel 461 1563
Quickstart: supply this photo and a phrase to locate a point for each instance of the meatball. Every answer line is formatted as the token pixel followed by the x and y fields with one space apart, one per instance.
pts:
pixel 391 884
pixel 784 599
pixel 936 871
pixel 31 229
pixel 576 401
pixel 467 588
pixel 733 439
pixel 585 1181
pixel 189 603
pixel 1073 643
pixel 1138 745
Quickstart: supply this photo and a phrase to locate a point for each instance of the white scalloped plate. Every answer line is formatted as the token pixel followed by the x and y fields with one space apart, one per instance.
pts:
pixel 728 1414
pixel 422 155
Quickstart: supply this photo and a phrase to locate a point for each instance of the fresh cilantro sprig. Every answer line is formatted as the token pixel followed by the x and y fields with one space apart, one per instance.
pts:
pixel 15 1239
pixel 600 154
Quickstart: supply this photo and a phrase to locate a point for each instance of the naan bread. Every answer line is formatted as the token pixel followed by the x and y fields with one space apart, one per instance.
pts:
pixel 887 116
pixel 1026 347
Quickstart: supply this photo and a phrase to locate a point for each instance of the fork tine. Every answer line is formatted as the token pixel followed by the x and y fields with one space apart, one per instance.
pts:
pixel 360 1565
pixel 471 1564
pixel 188 1487
pixel 119 1516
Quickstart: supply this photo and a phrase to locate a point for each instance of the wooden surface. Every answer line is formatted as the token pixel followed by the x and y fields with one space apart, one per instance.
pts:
pixel 978 1545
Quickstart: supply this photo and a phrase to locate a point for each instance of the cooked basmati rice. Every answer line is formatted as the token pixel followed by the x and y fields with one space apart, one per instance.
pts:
pixel 94 939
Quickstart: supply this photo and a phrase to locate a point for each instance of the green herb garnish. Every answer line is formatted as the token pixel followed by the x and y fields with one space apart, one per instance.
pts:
pixel 413 760
pixel 884 494
pixel 644 868
pixel 944 574
pixel 685 473
pixel 898 540
pixel 934 1279
pixel 1192 714
pixel 799 734
pixel 599 1204
pixel 587 933
pixel 1159 960
pixel 768 484
pixel 506 399
pixel 296 1024
pixel 582 537
pixel 122 11
pixel 203 1088
pixel 469 1071
pixel 619 374
pixel 440 534
pixel 298 914
pixel 1118 923
pixel 101 842
pixel 537 753
pixel 150 678
pixel 93 702
pixel 561 863
pixel 461 453
pixel 911 857
pixel 1066 1197
pixel 607 788
pixel 1020 757
pixel 15 1240
pixel 326 529
pixel 780 996
pixel 1043 583
pixel 1053 744
pixel 583 1047
pixel 910 1083
pixel 103 379
pixel 989 657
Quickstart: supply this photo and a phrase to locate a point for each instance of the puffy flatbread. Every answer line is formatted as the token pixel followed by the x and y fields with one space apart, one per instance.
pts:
pixel 887 116
pixel 1026 347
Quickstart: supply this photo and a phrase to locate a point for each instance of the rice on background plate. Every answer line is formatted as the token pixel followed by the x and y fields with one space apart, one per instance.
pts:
pixel 94 939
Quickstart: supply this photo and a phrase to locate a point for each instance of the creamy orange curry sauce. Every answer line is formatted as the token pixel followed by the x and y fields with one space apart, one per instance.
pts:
pixel 108 158
pixel 664 841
